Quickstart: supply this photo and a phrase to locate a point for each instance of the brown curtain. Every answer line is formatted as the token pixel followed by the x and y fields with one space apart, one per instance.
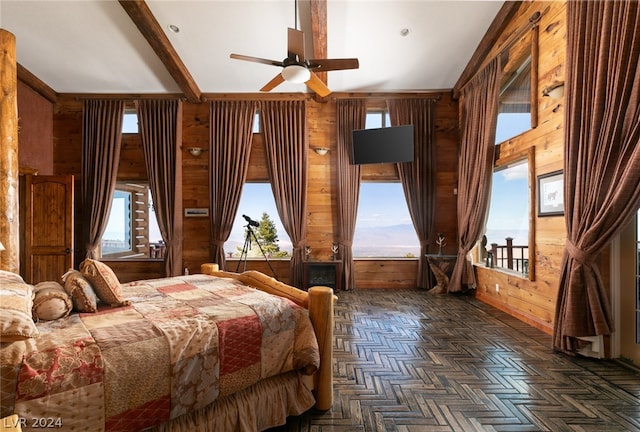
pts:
pixel 418 177
pixel 284 127
pixel 351 114
pixel 478 113
pixel 231 134
pixel 601 158
pixel 101 136
pixel 160 124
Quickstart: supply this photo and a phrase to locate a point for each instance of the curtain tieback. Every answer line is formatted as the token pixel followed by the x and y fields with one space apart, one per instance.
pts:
pixel 578 254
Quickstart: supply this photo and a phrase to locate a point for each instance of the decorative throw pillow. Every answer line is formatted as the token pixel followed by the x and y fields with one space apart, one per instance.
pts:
pixel 16 303
pixel 81 291
pixel 51 301
pixel 104 281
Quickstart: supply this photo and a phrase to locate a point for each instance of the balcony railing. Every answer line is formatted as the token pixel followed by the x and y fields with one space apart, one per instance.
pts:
pixel 509 256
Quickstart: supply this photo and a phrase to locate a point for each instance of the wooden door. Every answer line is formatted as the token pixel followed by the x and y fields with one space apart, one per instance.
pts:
pixel 48 230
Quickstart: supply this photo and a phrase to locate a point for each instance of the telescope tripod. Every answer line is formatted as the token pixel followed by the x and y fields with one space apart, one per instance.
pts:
pixel 247 247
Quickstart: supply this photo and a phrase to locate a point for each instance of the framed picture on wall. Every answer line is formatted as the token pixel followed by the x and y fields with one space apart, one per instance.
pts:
pixel 551 194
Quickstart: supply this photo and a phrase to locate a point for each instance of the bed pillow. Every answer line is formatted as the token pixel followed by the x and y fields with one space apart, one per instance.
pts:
pixel 104 281
pixel 51 302
pixel 81 291
pixel 16 304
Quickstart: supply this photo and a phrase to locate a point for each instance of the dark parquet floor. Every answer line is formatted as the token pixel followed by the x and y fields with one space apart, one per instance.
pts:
pixel 409 361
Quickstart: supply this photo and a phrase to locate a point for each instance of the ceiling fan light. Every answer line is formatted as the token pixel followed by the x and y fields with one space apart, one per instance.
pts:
pixel 296 74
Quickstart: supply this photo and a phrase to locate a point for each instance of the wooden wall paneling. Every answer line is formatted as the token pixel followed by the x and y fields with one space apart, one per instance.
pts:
pixel 133 269
pixel 281 267
pixel 195 184
pixel 390 273
pixel 321 179
pixel 132 165
pixel 534 302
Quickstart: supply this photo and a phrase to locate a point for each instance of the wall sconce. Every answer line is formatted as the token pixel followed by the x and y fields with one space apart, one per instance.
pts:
pixel 1 247
pixel 195 151
pixel 321 150
pixel 554 91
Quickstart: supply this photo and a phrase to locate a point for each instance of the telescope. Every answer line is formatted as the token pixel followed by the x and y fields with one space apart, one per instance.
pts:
pixel 247 245
pixel 251 221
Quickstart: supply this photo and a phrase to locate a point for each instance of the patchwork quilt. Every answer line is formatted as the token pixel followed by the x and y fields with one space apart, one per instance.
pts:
pixel 181 344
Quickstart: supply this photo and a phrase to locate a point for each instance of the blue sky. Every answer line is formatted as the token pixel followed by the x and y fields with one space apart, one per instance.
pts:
pixel 381 204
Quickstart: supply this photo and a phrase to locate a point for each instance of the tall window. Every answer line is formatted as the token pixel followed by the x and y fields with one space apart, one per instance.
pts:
pixel 517 103
pixel 132 229
pixel 130 121
pixel 507 232
pixel 258 204
pixel 383 225
pixel 514 109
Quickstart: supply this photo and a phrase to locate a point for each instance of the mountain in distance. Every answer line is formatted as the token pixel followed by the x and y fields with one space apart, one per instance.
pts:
pixel 386 241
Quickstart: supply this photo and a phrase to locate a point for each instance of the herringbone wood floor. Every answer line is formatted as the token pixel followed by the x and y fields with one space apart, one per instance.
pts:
pixel 406 360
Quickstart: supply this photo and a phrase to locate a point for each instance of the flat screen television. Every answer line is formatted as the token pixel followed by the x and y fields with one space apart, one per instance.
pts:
pixel 383 145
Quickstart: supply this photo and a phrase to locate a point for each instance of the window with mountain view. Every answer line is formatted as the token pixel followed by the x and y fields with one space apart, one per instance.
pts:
pixel 132 228
pixel 383 225
pixel 258 204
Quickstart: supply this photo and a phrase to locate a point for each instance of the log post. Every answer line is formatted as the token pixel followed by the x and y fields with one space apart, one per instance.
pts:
pixel 9 190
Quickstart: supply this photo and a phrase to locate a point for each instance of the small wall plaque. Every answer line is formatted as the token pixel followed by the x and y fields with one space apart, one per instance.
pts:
pixel 196 212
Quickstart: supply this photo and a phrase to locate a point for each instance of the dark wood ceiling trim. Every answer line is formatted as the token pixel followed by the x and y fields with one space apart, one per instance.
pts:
pixel 121 96
pixel 36 84
pixel 319 32
pixel 141 15
pixel 503 17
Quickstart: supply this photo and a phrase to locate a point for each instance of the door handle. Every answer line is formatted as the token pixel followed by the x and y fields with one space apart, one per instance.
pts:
pixel 67 250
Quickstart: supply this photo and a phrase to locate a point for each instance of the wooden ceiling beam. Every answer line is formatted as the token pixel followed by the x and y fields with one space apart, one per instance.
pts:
pixel 141 15
pixel 319 32
pixel 503 17
pixel 36 84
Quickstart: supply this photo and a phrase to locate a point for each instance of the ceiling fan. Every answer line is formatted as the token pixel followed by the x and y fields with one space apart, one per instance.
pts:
pixel 298 69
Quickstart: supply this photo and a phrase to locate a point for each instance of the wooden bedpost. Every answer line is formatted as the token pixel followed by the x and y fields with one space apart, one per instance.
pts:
pixel 319 301
pixel 321 314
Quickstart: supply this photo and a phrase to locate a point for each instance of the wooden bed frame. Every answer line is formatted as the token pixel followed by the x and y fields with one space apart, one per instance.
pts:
pixel 319 301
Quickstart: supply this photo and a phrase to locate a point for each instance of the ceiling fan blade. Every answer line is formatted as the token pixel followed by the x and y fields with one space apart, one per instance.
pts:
pixel 295 45
pixel 318 86
pixel 323 65
pixel 275 82
pixel 256 60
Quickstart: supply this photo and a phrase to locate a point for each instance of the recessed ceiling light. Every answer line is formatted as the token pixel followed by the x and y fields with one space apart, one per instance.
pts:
pixel 174 28
pixel 404 32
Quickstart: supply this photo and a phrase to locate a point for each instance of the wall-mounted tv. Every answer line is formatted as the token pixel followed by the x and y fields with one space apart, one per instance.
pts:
pixel 383 145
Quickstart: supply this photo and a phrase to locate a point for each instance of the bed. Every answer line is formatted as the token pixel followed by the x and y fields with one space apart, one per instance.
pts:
pixel 208 352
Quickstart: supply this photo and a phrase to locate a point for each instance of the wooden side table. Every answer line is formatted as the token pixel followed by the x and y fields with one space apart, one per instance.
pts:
pixel 323 273
pixel 442 267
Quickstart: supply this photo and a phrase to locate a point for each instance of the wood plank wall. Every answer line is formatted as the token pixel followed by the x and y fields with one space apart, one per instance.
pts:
pixel 534 301
pixel 322 217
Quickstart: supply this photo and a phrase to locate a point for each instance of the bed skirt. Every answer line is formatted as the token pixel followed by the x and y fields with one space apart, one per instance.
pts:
pixel 264 405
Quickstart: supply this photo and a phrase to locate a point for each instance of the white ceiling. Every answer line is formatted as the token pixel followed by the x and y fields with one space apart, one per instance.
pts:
pixel 92 46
